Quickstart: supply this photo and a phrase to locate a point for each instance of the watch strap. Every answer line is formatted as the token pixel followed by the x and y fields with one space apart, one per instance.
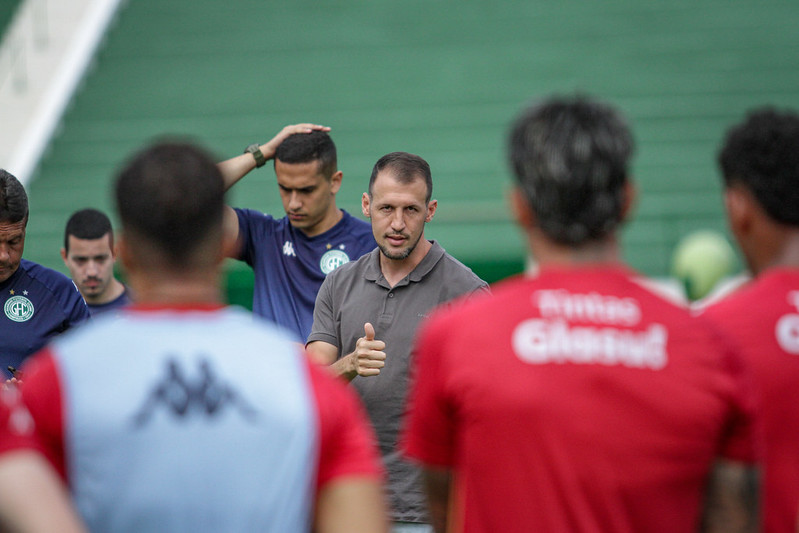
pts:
pixel 257 154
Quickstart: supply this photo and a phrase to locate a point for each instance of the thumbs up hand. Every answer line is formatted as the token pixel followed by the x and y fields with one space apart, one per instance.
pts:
pixel 368 357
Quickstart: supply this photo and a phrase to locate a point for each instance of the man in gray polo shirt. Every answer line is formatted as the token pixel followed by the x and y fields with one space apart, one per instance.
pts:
pixel 367 312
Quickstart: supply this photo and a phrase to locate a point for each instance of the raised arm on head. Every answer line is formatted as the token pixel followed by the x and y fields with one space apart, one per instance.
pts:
pixel 235 168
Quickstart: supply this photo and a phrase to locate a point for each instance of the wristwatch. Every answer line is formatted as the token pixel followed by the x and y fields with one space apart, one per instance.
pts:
pixel 257 154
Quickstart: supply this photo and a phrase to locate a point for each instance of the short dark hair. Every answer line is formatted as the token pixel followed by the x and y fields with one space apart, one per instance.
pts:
pixel 87 224
pixel 406 168
pixel 762 154
pixel 307 147
pixel 13 199
pixel 570 156
pixel 172 195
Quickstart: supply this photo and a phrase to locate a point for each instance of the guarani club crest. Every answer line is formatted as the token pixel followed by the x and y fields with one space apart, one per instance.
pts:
pixel 18 308
pixel 332 259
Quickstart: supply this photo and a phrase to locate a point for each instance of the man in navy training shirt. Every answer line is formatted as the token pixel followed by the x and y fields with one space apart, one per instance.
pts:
pixel 37 302
pixel 292 255
pixel 90 256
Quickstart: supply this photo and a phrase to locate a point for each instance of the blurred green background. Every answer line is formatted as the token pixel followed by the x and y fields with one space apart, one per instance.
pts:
pixel 438 78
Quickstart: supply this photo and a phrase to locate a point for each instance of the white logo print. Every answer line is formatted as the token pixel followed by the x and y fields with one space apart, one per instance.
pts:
pixel 608 340
pixel 18 308
pixel 288 249
pixel 332 260
pixel 787 329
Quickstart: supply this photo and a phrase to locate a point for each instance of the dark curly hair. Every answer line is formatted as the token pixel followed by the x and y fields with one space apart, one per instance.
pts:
pixel 571 156
pixel 762 154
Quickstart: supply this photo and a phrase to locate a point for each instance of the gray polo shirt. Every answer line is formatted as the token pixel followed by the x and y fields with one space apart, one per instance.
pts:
pixel 356 293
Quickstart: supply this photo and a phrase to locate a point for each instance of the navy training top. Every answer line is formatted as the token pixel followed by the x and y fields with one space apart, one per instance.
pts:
pixel 38 303
pixel 290 267
pixel 117 303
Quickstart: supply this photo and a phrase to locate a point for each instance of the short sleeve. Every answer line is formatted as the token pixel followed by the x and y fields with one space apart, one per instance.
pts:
pixel 742 439
pixel 76 309
pixel 324 324
pixel 347 445
pixel 31 414
pixel 428 435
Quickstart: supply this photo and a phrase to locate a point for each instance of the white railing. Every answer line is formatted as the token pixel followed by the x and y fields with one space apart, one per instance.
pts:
pixel 43 55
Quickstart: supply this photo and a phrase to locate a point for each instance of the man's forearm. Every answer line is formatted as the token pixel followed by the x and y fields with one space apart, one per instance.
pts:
pixel 235 168
pixel 343 368
pixel 437 487
pixel 732 503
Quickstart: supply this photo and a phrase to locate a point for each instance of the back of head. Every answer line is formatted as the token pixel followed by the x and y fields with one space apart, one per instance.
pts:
pixel 171 197
pixel 571 159
pixel 308 147
pixel 87 224
pixel 405 168
pixel 762 154
pixel 13 199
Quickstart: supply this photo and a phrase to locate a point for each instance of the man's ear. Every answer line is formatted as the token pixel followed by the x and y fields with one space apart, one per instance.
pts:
pixel 432 205
pixel 335 181
pixel 630 195
pixel 740 211
pixel 365 205
pixel 522 212
pixel 64 255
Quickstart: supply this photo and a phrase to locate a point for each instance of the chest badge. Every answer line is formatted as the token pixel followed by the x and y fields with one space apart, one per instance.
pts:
pixel 18 308
pixel 332 260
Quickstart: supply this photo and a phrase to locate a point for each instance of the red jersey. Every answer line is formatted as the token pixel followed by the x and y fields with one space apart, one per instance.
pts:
pixel 188 420
pixel 576 401
pixel 762 320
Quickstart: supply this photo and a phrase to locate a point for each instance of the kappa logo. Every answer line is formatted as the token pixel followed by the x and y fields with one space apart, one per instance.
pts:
pixel 332 260
pixel 206 396
pixel 18 308
pixel 288 249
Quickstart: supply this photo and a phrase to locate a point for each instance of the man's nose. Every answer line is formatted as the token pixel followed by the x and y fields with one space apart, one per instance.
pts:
pixel 398 220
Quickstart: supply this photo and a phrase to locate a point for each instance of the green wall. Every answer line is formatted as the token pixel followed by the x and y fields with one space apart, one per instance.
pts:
pixel 441 79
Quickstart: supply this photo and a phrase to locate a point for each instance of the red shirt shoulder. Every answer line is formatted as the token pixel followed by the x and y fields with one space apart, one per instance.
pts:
pixel 347 445
pixel 31 416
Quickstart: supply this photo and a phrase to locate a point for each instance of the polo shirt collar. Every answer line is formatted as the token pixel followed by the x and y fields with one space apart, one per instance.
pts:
pixel 373 272
pixel 436 252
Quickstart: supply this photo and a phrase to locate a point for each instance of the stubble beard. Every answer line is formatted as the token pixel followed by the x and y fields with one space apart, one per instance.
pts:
pixel 401 255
